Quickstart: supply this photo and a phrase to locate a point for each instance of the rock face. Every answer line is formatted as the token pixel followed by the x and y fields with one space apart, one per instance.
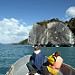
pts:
pixel 71 25
pixel 56 33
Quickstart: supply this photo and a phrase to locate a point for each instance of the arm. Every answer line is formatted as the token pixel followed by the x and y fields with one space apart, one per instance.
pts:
pixel 33 57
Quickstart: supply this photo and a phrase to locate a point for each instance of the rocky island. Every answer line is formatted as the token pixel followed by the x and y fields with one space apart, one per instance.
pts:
pixel 52 33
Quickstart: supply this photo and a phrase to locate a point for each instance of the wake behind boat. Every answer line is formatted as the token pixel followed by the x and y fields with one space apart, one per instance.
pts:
pixel 20 68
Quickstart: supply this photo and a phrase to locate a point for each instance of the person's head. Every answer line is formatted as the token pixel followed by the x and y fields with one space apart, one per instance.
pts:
pixel 36 48
pixel 57 54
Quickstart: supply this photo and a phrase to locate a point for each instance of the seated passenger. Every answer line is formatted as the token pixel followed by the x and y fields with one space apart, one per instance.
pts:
pixel 37 60
pixel 54 67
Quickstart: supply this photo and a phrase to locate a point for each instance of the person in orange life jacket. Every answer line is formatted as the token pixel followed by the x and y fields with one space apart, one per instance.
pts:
pixel 53 68
pixel 37 59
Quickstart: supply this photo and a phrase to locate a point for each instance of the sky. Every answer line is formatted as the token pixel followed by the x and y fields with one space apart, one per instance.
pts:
pixel 17 17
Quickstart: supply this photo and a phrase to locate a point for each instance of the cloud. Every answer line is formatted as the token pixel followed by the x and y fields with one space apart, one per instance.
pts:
pixel 13 30
pixel 70 11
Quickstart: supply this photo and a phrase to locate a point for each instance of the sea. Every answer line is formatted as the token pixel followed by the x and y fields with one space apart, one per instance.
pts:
pixel 9 54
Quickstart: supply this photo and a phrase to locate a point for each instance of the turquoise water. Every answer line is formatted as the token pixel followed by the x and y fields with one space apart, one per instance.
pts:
pixel 11 53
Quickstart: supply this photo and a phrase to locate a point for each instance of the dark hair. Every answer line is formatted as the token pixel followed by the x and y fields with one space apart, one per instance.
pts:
pixel 57 53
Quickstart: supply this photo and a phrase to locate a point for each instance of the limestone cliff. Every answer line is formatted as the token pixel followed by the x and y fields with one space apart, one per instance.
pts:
pixel 53 32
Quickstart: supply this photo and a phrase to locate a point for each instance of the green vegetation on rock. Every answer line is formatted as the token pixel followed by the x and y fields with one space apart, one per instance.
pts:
pixel 24 42
pixel 71 25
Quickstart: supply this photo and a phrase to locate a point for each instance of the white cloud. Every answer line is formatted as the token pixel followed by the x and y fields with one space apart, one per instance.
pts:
pixel 13 30
pixel 70 11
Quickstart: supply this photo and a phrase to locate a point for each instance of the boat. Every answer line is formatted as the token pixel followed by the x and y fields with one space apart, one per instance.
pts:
pixel 20 68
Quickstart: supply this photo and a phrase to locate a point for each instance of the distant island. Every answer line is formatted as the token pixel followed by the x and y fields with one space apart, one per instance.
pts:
pixel 0 43
pixel 24 42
